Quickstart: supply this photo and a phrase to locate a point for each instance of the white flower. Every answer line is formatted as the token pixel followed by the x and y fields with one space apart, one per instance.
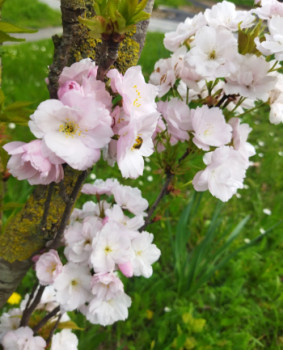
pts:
pixel 213 52
pixel 252 79
pixel 22 339
pixel 223 175
pixel 274 42
pixel 10 321
pixel 184 31
pixel 64 340
pixel 110 247
pixel 106 312
pixel 146 254
pixel 72 286
pixel 130 198
pixel 79 238
pixel 225 14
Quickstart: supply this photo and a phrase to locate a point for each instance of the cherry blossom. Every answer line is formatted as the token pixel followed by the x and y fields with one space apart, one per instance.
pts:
pixel 75 134
pixel 48 267
pixel 31 162
pixel 22 339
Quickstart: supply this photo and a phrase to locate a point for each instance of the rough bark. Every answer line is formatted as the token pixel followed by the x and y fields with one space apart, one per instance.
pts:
pixel 45 212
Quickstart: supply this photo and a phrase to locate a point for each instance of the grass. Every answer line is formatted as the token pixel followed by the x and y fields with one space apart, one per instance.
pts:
pixel 30 14
pixel 241 307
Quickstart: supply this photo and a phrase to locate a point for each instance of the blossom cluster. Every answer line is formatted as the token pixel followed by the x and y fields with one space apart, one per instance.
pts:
pixel 209 81
pixel 14 337
pixel 85 120
pixel 101 242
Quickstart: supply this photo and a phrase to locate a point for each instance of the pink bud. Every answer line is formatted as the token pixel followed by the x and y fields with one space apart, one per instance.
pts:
pixel 126 269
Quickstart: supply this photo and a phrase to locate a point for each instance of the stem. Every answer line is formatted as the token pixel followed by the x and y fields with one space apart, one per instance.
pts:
pixel 251 110
pixel 163 192
pixel 48 340
pixel 45 319
pixel 29 310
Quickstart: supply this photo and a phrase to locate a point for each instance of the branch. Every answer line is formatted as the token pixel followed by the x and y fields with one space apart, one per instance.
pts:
pixel 45 319
pixel 163 192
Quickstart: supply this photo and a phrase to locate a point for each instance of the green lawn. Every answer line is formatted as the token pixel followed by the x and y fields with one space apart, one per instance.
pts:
pixel 241 307
pixel 30 14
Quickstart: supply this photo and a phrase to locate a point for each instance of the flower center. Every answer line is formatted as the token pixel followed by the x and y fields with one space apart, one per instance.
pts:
pixel 138 143
pixel 212 55
pixel 107 249
pixel 70 128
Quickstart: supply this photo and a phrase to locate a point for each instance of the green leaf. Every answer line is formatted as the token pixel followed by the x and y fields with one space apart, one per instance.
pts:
pixel 69 325
pixel 6 37
pixel 11 28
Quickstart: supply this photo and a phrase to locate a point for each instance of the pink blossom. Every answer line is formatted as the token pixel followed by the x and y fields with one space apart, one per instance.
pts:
pixel 106 285
pixel 75 134
pixel 163 76
pixel 30 162
pixel 48 267
pixel 138 96
pixel 209 127
pixel 126 269
pixel 78 71
pixel 67 86
pixel 177 115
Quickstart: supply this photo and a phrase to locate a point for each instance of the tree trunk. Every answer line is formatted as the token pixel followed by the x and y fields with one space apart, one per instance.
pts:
pixel 47 211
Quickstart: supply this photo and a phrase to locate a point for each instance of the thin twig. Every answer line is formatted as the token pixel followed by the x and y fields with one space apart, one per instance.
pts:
pixel 28 311
pixel 68 209
pixel 45 319
pixel 31 295
pixel 163 192
pixel 48 340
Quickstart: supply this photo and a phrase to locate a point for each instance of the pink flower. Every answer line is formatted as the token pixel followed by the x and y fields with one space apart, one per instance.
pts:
pixel 177 115
pixel 209 127
pixel 138 96
pixel 75 134
pixel 48 267
pixel 30 162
